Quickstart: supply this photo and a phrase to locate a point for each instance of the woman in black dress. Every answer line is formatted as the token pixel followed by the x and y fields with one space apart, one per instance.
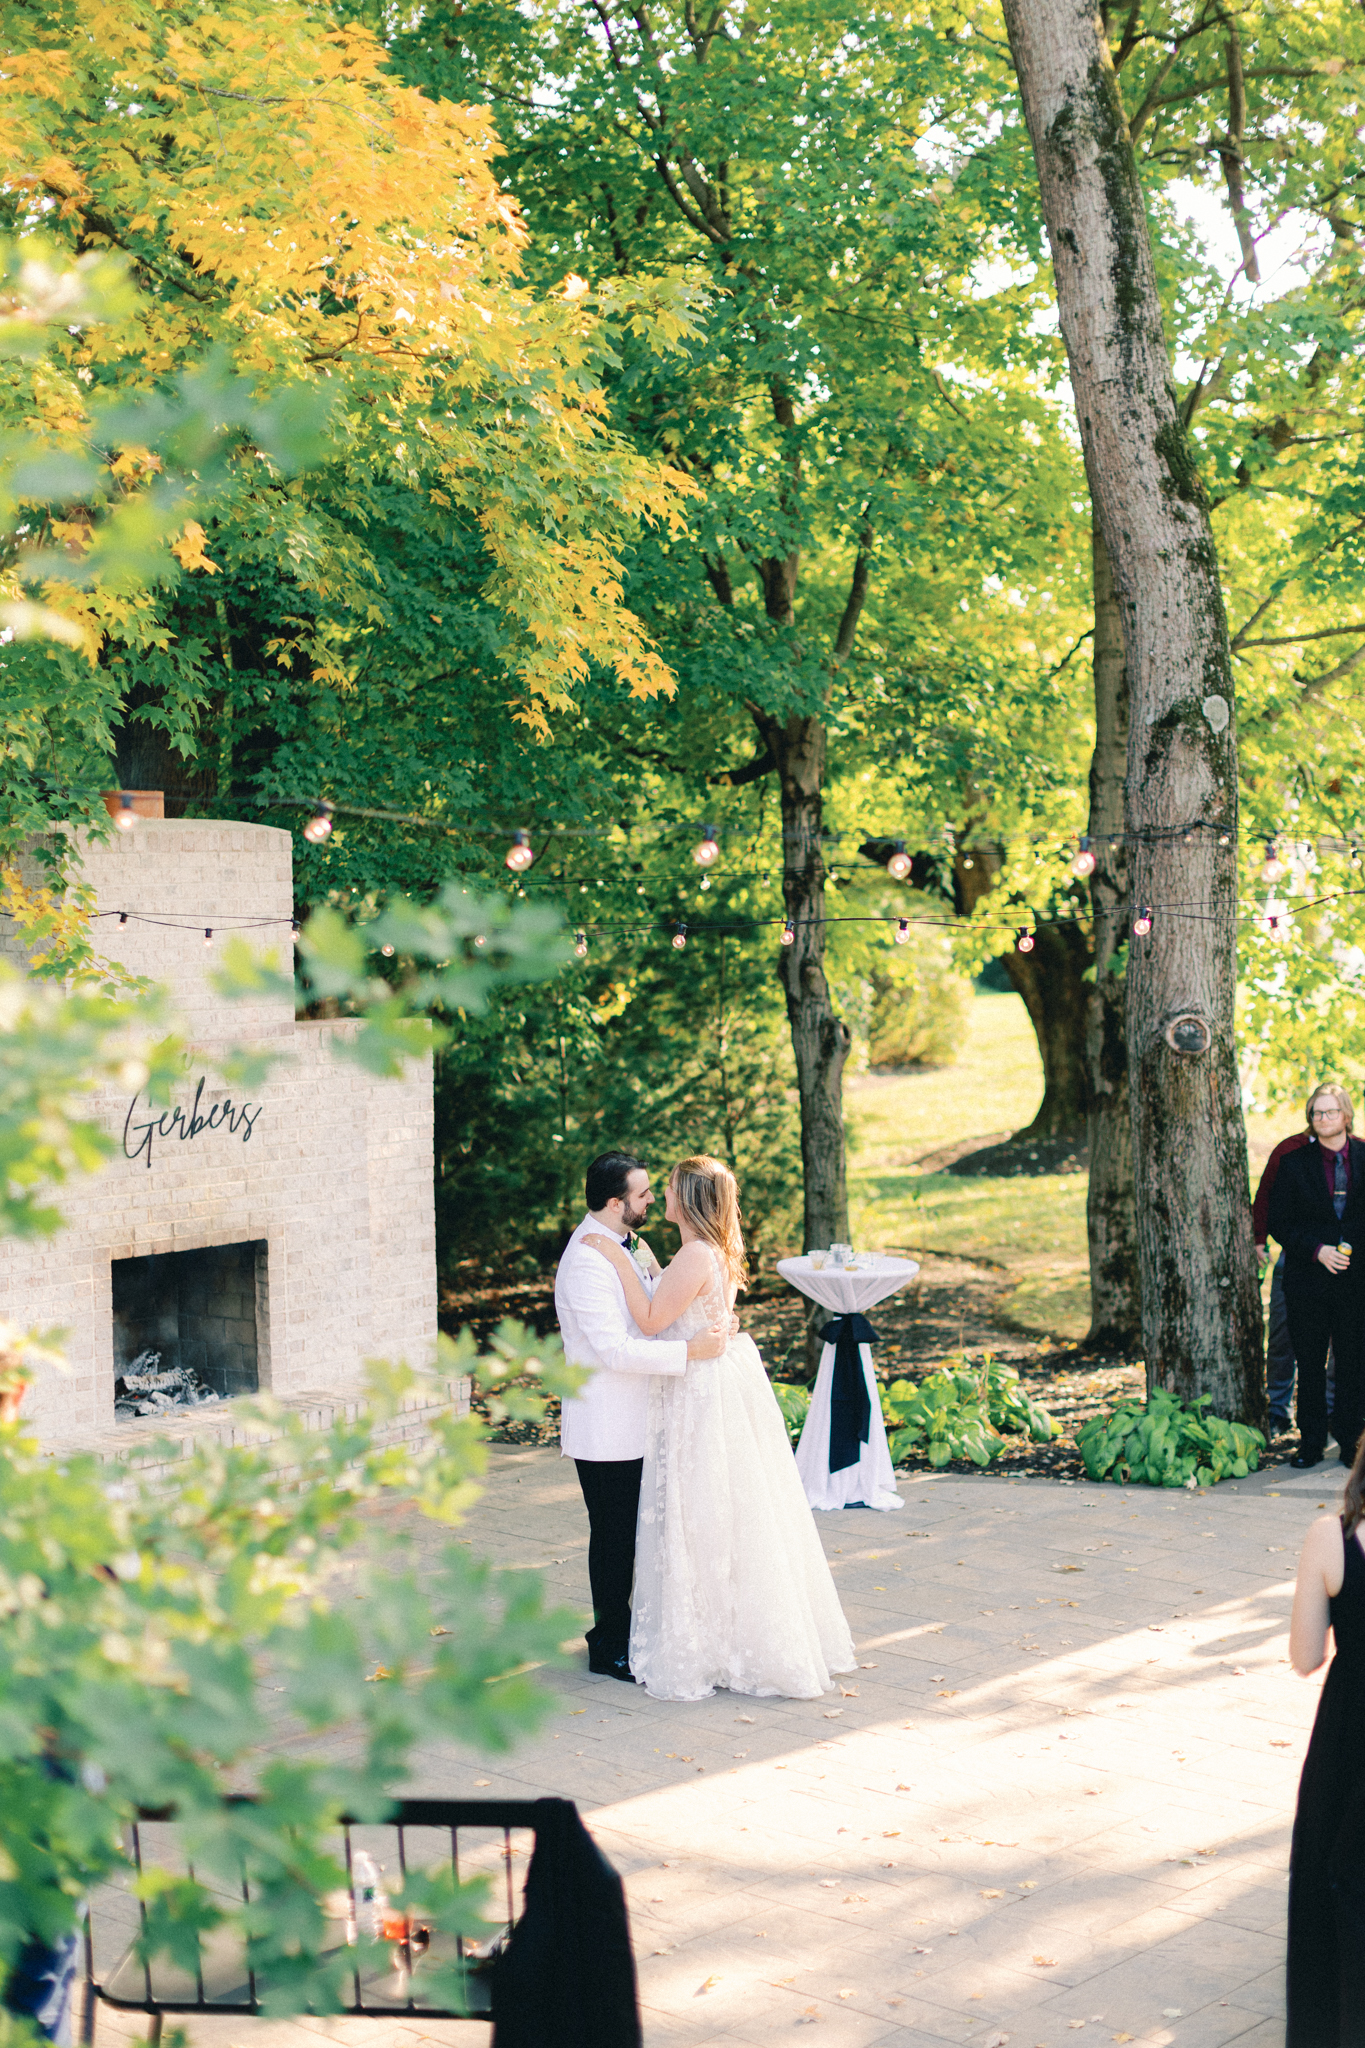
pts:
pixel 1326 1987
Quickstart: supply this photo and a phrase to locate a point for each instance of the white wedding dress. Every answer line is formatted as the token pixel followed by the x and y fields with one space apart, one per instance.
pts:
pixel 731 1584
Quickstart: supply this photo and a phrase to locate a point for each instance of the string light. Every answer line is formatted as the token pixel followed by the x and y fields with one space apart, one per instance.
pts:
pixel 208 934
pixel 767 879
pixel 1084 863
pixel 707 848
pixel 122 919
pixel 1025 942
pixel 679 938
pixel 788 933
pixel 898 867
pixel 967 861
pixel 319 826
pixel 1142 923
pixel 705 882
pixel 125 817
pixel 580 945
pixel 293 927
pixel 387 951
pixel 1274 868
pixel 519 854
pixel 480 939
pixel 903 932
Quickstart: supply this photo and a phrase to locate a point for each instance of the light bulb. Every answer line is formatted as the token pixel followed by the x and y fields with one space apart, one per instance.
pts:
pixel 1084 863
pixel 1274 868
pixel 387 951
pixel 680 938
pixel 479 939
pixel 898 867
pixel 833 875
pixel 1223 838
pixel 1025 942
pixel 319 827
pixel 519 855
pixel 125 817
pixel 707 849
pixel 767 879
pixel 1142 923
pixel 208 934
pixel 1273 924
pixel 122 919
pixel 967 861
pixel 788 933
pixel 580 945
pixel 903 932
pixel 705 882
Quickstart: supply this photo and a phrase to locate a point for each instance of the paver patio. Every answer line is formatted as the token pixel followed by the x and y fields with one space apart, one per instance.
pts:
pixel 1054 1799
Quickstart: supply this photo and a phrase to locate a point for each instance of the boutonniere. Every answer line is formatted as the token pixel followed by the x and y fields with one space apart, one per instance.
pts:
pixel 632 1244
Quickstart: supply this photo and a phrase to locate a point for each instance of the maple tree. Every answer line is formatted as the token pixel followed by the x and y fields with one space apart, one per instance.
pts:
pixel 289 208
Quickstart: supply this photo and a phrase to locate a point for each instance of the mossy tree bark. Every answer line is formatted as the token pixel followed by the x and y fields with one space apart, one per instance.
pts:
pixel 1201 1311
pixel 1110 1211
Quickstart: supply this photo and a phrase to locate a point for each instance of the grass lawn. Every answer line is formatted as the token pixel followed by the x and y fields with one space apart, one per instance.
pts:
pixel 1032 1226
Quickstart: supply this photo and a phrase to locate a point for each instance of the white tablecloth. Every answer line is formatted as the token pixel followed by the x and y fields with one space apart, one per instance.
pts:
pixel 846 1291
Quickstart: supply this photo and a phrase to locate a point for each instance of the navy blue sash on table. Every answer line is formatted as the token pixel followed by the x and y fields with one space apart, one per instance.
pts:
pixel 850 1405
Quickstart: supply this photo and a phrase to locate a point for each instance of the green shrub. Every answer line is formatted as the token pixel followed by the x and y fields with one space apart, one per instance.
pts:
pixel 795 1405
pixel 963 1411
pixel 1161 1442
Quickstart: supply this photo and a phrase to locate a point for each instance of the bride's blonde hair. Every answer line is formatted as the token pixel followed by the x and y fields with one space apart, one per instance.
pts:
pixel 708 1196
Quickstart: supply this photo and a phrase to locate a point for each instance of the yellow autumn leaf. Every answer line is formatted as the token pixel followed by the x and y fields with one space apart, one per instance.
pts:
pixel 189 548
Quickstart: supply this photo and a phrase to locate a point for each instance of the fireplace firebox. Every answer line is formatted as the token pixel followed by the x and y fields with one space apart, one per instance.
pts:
pixel 189 1326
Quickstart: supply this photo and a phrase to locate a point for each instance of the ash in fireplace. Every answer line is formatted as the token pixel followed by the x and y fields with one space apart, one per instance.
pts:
pixel 143 1390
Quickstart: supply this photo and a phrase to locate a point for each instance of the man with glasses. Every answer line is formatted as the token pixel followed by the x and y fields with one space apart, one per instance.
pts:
pixel 1317 1214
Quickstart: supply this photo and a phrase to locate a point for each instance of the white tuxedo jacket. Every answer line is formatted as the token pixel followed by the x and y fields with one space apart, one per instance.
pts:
pixel 607 1419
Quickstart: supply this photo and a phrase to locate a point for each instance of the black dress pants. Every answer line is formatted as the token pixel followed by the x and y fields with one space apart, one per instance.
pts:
pixel 1328 1309
pixel 611 1494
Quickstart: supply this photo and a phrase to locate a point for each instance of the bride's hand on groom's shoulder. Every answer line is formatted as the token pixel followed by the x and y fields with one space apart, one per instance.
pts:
pixel 610 1247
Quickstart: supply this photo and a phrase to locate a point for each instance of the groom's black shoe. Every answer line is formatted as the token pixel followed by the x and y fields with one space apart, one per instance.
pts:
pixel 1306 1455
pixel 611 1667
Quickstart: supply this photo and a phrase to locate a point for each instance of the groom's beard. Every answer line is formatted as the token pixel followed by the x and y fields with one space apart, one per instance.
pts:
pixel 631 1219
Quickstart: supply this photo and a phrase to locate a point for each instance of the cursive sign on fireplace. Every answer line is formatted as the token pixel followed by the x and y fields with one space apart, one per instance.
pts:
pixel 237 1117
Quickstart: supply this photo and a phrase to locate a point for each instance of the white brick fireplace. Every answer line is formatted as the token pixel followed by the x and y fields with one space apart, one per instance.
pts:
pixel 275 1236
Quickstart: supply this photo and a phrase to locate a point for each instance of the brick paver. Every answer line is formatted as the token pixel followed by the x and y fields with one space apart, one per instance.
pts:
pixel 1054 1800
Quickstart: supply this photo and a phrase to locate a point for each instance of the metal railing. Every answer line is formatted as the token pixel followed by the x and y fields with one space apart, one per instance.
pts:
pixel 223 1979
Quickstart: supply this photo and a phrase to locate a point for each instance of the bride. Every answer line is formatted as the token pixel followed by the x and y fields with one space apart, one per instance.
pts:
pixel 731 1584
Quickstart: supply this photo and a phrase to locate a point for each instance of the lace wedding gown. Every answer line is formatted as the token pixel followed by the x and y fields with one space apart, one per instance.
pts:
pixel 731 1584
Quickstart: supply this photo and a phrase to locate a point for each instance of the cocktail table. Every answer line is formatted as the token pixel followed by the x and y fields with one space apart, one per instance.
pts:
pixel 843 1457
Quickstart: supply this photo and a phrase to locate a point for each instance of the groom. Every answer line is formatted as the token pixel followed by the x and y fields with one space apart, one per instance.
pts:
pixel 603 1428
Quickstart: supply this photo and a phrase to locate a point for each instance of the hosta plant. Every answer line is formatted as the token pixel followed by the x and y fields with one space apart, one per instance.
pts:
pixel 963 1411
pixel 1162 1442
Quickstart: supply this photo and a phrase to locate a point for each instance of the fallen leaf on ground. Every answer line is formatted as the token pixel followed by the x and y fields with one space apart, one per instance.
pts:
pixel 1170 2012
pixel 1030 1884
pixel 992 1895
pixel 948 1695
pixel 1277 1743
pixel 850 1692
pixel 833 1713
pixel 744 1717
pixel 1073 2024
pixel 441 1632
pixel 709 1985
pixel 995 2040
pixel 481 1781
pixel 1239 1671
pixel 1046 1962
pixel 1122 2037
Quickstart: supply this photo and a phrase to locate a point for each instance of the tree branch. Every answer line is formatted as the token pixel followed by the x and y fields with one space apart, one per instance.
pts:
pixel 1298 639
pixel 857 597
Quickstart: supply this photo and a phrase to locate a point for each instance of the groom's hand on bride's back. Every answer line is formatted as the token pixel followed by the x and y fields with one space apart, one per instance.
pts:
pixel 710 1343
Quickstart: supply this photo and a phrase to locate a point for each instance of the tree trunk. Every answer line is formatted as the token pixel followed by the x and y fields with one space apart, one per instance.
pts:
pixel 1201 1311
pixel 820 1038
pixel 1110 1214
pixel 1051 980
